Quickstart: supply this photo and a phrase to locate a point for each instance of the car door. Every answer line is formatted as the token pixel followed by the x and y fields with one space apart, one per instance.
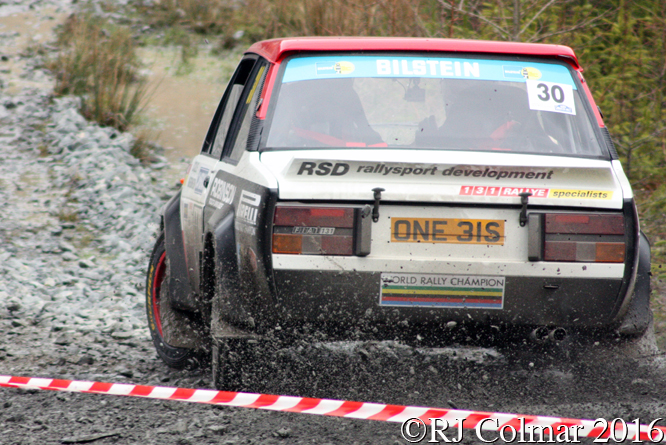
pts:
pixel 203 169
pixel 233 213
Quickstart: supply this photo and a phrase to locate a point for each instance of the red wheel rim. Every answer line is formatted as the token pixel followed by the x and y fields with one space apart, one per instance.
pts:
pixel 157 285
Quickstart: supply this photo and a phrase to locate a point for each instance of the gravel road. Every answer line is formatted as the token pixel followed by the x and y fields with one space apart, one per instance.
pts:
pixel 78 215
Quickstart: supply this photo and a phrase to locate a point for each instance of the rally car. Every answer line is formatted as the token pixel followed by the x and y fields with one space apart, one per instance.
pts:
pixel 387 181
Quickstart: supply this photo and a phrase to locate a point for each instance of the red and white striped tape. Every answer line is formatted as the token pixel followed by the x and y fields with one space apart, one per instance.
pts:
pixel 341 408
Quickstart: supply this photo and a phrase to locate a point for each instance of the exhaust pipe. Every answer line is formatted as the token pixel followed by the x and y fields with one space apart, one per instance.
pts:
pixel 543 334
pixel 540 334
pixel 557 335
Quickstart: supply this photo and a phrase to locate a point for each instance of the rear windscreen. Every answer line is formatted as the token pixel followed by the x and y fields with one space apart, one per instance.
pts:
pixel 430 103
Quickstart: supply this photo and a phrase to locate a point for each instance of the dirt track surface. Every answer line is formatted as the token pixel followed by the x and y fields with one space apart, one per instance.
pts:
pixel 71 307
pixel 604 382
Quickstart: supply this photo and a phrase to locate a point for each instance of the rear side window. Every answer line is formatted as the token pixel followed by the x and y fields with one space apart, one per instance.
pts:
pixel 228 105
pixel 247 114
pixel 431 103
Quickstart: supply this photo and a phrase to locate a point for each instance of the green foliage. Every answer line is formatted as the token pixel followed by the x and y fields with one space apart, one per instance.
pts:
pixel 97 62
pixel 200 16
pixel 188 49
pixel 626 62
pixel 263 19
pixel 143 147
pixel 68 215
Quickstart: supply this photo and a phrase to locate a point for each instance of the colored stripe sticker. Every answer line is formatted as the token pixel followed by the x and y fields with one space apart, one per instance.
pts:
pixel 443 291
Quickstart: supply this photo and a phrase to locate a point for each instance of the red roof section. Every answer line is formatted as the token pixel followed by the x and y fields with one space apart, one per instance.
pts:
pixel 276 49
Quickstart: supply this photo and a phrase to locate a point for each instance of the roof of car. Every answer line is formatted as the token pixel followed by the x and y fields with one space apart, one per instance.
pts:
pixel 276 49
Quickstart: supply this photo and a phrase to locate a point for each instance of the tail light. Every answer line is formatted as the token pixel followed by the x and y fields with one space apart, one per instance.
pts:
pixel 574 237
pixel 313 230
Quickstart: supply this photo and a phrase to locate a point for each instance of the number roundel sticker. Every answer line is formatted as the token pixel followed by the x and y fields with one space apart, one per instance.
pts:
pixel 549 96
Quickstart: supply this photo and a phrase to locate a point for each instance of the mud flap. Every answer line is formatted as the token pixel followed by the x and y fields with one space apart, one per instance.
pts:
pixel 180 292
pixel 221 329
pixel 639 314
pixel 227 364
pixel 226 305
pixel 179 329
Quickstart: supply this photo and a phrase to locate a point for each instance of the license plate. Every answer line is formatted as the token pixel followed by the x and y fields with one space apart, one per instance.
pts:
pixel 447 230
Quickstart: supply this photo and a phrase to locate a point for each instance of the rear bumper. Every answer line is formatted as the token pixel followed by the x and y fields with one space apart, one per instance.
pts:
pixel 351 297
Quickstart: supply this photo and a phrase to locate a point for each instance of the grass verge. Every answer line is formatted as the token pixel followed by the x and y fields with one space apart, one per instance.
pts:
pixel 97 61
pixel 233 22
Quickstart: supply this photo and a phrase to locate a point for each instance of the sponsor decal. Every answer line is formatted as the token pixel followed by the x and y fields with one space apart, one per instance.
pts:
pixel 323 168
pixel 443 291
pixel 581 194
pixel 192 178
pixel 334 68
pixel 520 72
pixel 512 72
pixel 447 230
pixel 478 190
pixel 201 176
pixel 432 67
pixel 310 168
pixel 549 96
pixel 221 193
pixel 323 67
pixel 497 174
pixel 314 230
pixel 385 170
pixel 248 208
pixel 531 73
pixel 329 168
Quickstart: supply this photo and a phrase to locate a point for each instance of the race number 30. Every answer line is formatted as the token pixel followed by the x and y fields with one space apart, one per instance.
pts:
pixel 549 96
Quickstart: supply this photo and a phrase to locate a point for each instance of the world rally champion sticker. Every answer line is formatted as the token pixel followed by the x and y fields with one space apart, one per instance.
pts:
pixel 443 291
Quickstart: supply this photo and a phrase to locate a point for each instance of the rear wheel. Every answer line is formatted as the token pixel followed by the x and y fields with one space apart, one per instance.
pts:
pixel 156 288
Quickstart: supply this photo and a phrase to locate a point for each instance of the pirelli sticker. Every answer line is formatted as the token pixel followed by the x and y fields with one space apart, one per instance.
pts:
pixel 442 291
pixel 479 190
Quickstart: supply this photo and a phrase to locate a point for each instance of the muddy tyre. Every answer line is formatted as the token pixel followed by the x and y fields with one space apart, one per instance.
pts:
pixel 156 280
